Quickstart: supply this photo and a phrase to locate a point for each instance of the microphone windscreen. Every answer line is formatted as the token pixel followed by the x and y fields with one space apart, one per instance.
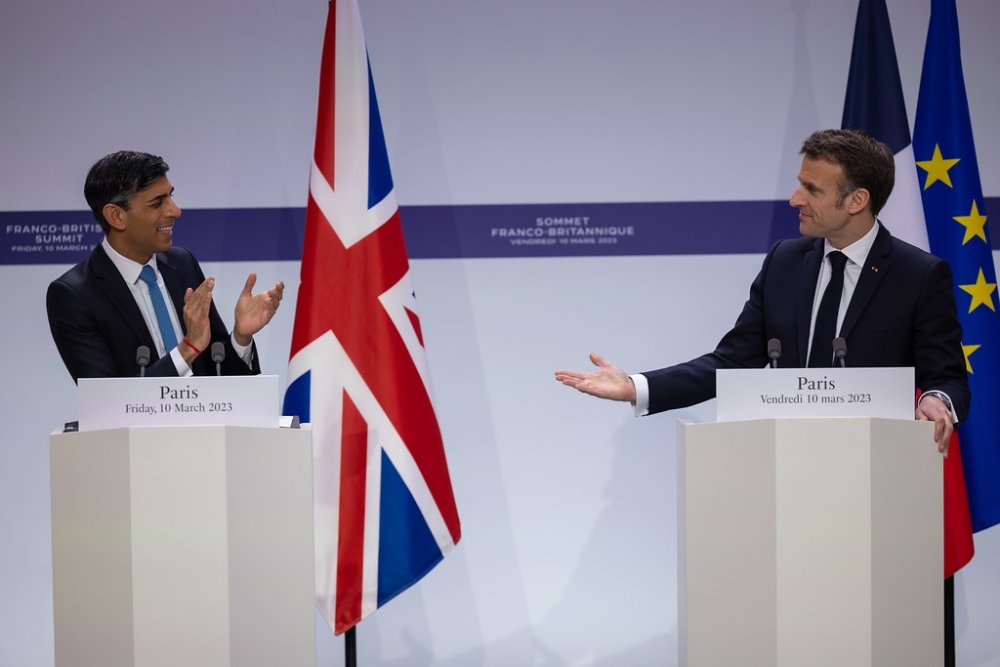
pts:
pixel 839 347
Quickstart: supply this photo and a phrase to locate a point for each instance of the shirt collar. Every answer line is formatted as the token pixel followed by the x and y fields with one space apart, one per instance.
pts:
pixel 858 251
pixel 128 268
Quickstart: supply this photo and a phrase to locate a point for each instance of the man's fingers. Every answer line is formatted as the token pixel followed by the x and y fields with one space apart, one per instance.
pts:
pixel 251 281
pixel 944 437
pixel 574 379
pixel 606 366
pixel 942 424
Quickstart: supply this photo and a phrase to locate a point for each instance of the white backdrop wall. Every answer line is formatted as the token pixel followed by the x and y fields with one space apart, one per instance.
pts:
pixel 569 552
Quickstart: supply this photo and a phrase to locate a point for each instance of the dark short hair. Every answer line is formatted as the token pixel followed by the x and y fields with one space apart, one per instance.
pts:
pixel 115 178
pixel 866 161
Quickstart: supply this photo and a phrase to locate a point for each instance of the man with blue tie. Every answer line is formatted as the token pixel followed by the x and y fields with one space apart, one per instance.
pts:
pixel 137 289
pixel 847 276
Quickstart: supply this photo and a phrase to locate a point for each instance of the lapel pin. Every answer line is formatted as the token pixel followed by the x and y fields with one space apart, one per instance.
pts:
pixel 874 269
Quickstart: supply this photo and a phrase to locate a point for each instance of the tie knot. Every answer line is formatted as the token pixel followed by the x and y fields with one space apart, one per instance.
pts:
pixel 838 261
pixel 148 276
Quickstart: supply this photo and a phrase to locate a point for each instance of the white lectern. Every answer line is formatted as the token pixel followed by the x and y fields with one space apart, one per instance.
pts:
pixel 183 545
pixel 810 542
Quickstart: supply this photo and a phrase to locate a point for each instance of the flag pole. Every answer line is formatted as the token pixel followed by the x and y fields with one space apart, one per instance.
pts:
pixel 350 648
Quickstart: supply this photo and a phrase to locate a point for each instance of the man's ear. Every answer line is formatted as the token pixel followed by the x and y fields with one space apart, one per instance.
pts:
pixel 115 215
pixel 858 201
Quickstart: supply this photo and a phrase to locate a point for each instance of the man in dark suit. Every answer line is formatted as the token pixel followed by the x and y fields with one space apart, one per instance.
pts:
pixel 890 301
pixel 135 289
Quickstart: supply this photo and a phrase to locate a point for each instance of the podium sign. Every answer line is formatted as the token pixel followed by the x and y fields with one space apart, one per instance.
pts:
pixel 232 400
pixel 771 393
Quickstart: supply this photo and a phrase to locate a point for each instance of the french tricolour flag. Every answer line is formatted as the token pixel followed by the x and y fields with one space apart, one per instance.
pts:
pixel 385 511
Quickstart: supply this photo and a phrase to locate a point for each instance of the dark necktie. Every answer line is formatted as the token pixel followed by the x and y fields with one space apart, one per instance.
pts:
pixel 159 308
pixel 821 352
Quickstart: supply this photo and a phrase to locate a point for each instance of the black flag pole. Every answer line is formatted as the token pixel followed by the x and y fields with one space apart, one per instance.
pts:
pixel 350 648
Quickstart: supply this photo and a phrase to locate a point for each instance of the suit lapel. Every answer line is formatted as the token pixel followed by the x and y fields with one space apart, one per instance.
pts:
pixel 808 276
pixel 874 269
pixel 120 296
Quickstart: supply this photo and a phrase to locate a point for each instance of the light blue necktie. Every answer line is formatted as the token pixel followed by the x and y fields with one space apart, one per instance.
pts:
pixel 148 276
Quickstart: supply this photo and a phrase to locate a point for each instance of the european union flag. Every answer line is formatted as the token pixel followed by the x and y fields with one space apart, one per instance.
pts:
pixel 956 225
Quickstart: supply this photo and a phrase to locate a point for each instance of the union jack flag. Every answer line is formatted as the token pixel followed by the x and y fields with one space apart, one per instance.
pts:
pixel 385 511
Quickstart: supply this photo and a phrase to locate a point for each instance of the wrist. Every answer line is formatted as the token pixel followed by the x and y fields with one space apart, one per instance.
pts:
pixel 945 402
pixel 191 346
pixel 187 353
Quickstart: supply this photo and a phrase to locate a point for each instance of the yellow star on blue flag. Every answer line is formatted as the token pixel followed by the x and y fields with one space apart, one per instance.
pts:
pixel 974 223
pixel 937 168
pixel 981 292
pixel 968 350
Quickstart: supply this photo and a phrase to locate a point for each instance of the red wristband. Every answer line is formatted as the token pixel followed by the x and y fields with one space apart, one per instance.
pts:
pixel 191 345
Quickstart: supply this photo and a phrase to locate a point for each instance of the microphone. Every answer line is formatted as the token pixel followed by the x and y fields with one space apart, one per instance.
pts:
pixel 774 351
pixel 218 354
pixel 142 358
pixel 840 350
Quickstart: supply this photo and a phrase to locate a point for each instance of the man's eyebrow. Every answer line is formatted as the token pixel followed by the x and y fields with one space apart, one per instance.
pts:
pixel 159 198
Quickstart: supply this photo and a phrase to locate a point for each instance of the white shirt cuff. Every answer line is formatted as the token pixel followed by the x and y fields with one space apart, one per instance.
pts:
pixel 641 407
pixel 244 352
pixel 183 370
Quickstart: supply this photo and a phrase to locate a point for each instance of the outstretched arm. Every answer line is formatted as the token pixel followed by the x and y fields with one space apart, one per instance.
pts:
pixel 608 381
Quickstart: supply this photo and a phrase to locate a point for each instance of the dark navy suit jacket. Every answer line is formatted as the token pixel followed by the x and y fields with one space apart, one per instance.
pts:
pixel 902 313
pixel 97 325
